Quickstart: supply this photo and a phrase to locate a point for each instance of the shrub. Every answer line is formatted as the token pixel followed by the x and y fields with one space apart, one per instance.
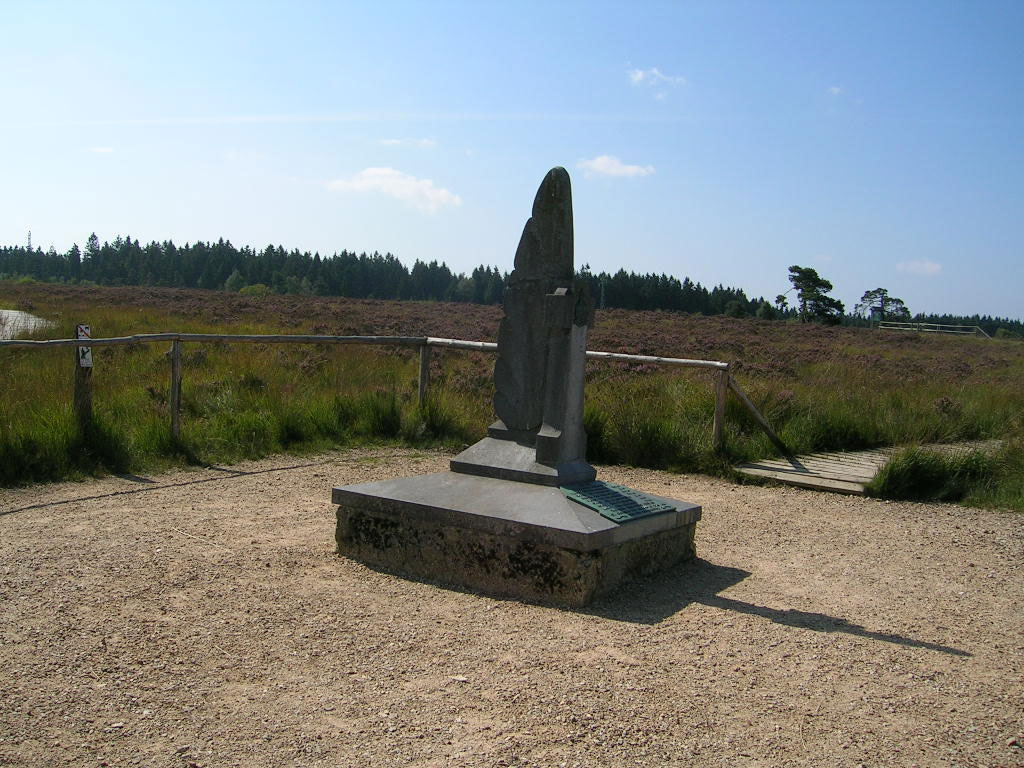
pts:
pixel 256 289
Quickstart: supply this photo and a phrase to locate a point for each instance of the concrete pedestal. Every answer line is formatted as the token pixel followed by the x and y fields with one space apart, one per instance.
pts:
pixel 505 538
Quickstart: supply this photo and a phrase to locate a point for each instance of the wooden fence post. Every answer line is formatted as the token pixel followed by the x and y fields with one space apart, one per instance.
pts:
pixel 83 382
pixel 721 390
pixel 761 420
pixel 424 371
pixel 175 398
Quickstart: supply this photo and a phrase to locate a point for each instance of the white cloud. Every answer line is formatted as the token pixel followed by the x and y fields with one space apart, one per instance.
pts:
pixel 101 150
pixel 919 267
pixel 833 90
pixel 419 193
pixel 421 143
pixel 653 77
pixel 608 165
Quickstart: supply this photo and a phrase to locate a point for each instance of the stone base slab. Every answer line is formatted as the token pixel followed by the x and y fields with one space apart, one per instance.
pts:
pixel 503 538
pixel 509 460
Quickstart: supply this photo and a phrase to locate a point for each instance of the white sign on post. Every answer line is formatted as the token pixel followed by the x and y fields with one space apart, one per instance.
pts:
pixel 84 353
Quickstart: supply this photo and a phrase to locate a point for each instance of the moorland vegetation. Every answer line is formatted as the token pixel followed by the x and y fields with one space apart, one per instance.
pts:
pixel 822 388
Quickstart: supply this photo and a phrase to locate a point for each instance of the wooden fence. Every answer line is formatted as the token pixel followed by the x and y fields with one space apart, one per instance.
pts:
pixel 962 330
pixel 83 389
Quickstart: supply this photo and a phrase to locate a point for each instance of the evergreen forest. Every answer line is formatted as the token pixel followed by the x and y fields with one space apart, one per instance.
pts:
pixel 223 266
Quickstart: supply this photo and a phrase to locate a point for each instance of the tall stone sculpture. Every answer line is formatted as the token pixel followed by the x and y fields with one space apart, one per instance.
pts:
pixel 543 266
pixel 521 513
pixel 542 343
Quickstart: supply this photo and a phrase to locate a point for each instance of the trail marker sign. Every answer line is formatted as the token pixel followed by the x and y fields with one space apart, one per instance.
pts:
pixel 84 353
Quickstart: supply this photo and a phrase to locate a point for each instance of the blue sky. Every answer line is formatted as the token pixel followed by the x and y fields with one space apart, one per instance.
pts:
pixel 880 143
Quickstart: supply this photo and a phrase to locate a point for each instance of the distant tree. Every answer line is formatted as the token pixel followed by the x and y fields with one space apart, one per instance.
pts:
pixel 812 293
pixel 765 311
pixel 75 261
pixel 781 302
pixel 296 287
pixel 890 307
pixel 495 288
pixel 461 290
pixel 735 308
pixel 235 282
pixel 256 289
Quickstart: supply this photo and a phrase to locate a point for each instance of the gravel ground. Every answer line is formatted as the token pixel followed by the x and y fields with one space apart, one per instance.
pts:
pixel 202 618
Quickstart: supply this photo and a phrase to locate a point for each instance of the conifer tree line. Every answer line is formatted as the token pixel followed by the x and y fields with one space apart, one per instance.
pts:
pixel 222 266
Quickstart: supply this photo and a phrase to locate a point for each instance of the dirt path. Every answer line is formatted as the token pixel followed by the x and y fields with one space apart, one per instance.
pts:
pixel 202 618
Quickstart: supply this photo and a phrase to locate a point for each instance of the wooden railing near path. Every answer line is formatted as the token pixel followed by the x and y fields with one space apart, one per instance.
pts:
pixel 724 381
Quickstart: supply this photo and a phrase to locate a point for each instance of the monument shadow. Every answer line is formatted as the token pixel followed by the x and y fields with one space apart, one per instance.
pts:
pixel 654 599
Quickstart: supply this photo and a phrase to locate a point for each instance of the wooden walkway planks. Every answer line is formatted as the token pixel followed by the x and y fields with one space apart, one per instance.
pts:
pixel 840 471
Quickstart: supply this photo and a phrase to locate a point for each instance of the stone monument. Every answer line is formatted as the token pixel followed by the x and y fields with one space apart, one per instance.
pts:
pixel 542 346
pixel 521 513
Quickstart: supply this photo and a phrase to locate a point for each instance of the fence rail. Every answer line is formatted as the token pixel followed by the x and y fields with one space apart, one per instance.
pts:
pixel 148 338
pixel 963 330
pixel 724 381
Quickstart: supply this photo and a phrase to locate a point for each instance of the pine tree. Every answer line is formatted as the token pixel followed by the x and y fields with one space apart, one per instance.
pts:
pixel 812 293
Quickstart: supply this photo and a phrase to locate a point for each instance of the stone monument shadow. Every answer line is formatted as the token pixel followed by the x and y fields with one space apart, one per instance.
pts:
pixel 652 600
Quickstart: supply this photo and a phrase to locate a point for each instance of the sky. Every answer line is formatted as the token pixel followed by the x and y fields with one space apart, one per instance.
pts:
pixel 881 143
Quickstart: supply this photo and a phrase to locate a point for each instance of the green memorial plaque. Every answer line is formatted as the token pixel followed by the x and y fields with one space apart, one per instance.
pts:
pixel 615 502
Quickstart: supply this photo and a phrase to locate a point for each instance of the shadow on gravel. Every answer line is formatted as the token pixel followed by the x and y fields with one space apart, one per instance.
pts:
pixel 153 485
pixel 137 479
pixel 698 581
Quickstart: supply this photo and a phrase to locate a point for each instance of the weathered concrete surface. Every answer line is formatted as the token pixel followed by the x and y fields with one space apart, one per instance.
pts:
pixel 504 538
pixel 509 460
pixel 535 513
pixel 503 565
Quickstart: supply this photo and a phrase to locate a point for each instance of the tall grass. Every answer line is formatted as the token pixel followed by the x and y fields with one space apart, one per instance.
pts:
pixel 628 417
pixel 238 401
pixel 664 420
pixel 250 400
pixel 927 475
pixel 981 478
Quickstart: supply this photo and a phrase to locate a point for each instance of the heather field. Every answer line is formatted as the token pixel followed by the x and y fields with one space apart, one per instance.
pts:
pixel 822 388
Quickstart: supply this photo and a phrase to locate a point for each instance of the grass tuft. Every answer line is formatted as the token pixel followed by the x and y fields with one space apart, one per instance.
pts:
pixel 917 474
pixel 378 414
pixel 434 420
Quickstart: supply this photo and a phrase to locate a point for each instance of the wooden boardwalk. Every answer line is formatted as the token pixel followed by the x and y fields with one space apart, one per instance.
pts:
pixel 841 471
